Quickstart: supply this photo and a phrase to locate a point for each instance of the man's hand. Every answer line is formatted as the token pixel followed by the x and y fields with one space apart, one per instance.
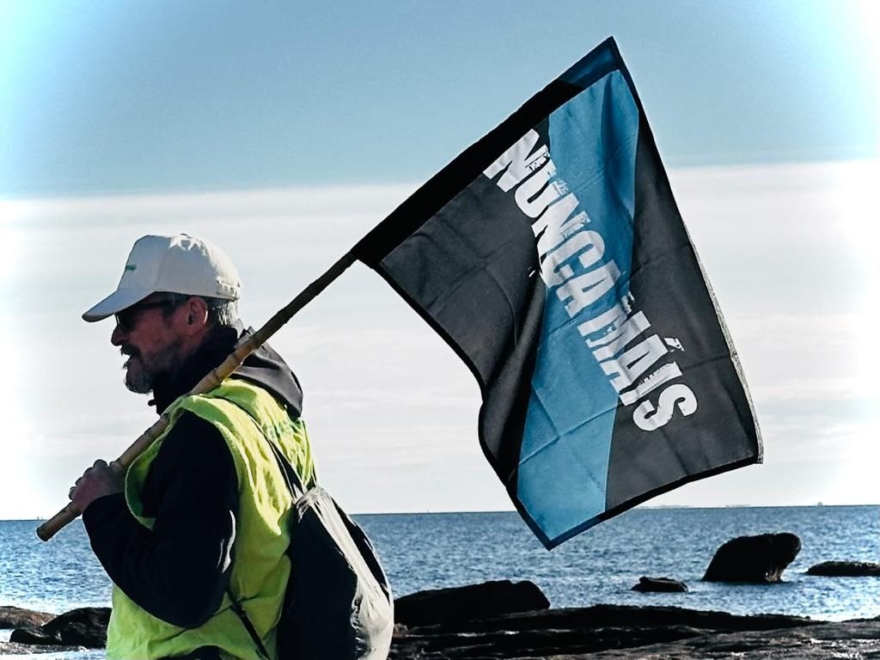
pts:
pixel 99 480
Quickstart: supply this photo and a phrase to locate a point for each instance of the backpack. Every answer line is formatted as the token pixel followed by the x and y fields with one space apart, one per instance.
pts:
pixel 338 603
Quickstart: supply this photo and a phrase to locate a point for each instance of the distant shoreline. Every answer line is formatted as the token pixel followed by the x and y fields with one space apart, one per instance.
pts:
pixel 641 507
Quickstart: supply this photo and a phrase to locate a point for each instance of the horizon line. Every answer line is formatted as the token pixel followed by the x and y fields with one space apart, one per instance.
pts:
pixel 429 512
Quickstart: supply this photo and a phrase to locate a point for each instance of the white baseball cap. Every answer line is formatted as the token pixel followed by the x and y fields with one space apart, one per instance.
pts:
pixel 170 264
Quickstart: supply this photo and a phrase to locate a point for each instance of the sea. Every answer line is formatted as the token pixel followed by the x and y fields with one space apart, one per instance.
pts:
pixel 434 550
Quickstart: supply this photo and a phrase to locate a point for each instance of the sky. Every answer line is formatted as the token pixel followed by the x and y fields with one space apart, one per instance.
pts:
pixel 285 132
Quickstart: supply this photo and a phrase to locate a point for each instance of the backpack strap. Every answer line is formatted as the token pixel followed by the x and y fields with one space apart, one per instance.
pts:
pixel 294 485
pixel 239 610
pixel 291 478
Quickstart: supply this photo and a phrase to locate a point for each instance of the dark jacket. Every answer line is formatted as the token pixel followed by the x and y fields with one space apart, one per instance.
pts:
pixel 179 570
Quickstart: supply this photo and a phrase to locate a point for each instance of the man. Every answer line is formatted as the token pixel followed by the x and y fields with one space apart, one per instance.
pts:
pixel 197 525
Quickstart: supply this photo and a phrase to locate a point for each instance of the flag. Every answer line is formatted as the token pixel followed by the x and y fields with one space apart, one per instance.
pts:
pixel 552 258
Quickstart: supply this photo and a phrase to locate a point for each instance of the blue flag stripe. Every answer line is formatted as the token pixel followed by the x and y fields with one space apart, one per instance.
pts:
pixel 571 412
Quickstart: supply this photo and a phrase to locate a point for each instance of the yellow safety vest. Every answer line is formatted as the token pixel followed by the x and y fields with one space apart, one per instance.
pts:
pixel 246 416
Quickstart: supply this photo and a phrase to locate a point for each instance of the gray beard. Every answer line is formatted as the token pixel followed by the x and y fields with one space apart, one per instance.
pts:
pixel 139 379
pixel 139 382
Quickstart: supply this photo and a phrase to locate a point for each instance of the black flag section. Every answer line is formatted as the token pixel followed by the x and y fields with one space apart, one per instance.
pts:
pixel 552 258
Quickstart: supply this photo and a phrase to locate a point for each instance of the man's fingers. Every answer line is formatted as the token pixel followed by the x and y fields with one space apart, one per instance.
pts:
pixel 99 479
pixel 100 464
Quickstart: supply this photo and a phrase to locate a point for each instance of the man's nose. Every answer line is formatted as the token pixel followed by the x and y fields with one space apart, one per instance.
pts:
pixel 117 336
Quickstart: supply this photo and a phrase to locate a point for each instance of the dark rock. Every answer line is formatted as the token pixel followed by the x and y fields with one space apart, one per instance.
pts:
pixel 475 601
pixel 86 626
pixel 660 585
pixel 617 616
pixel 567 634
pixel 16 617
pixel 847 639
pixel 760 558
pixel 845 569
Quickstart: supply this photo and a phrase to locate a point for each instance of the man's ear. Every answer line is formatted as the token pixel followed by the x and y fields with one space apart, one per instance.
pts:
pixel 196 315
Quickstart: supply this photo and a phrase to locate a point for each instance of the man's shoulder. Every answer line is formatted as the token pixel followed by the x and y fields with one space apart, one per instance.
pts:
pixel 192 435
pixel 193 450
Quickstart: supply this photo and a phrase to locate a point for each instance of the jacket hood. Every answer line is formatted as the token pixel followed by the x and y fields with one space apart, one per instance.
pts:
pixel 263 367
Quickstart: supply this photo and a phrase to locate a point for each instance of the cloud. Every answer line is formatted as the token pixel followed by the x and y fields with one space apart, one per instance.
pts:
pixel 788 248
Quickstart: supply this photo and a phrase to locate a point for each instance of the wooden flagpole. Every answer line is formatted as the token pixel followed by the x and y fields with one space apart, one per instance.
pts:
pixel 213 379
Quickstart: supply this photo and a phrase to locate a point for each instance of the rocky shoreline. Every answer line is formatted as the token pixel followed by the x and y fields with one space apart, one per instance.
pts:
pixel 599 631
pixel 502 620
pixel 610 631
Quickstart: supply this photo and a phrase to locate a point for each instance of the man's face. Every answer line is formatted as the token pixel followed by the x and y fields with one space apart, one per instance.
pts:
pixel 148 333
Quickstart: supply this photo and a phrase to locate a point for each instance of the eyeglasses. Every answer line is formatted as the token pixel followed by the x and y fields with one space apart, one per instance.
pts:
pixel 127 318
